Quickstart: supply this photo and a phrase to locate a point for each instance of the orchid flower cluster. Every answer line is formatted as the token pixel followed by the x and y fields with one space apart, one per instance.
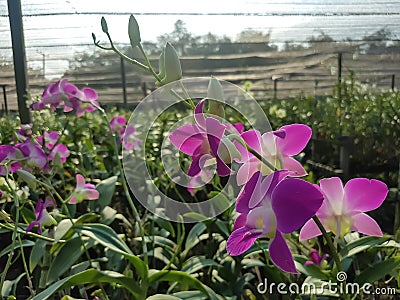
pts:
pixel 126 133
pixel 66 95
pixel 274 200
pixel 31 154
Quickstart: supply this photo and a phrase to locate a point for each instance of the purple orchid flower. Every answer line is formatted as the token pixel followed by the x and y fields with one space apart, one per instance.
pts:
pixel 117 124
pixel 271 207
pixel 56 150
pixel 34 156
pixel 43 218
pixel 63 93
pixel 277 147
pixel 202 138
pixel 83 191
pixel 343 209
pixel 129 139
pixel 8 155
pixel 316 258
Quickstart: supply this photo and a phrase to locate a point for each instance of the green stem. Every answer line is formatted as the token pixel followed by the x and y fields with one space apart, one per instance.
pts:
pixel 127 193
pixel 28 275
pixel 151 70
pixel 31 234
pixel 330 244
pixel 14 235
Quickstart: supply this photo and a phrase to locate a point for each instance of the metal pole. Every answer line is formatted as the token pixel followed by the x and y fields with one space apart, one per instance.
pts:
pixel 123 78
pixel 5 98
pixel 19 57
pixel 393 81
pixel 275 88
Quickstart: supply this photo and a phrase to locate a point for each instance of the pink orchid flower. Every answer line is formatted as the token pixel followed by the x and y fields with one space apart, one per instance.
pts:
pixel 33 156
pixel 43 218
pixel 271 207
pixel 277 147
pixel 57 150
pixel 117 124
pixel 129 139
pixel 202 138
pixel 50 139
pixel 343 209
pixel 83 191
pixel 316 258
pixel 63 93
pixel 8 156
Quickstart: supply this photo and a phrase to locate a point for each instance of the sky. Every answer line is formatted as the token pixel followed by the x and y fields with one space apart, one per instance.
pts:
pixel 57 28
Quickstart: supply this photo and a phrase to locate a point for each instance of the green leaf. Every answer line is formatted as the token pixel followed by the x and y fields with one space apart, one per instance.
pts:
pixel 193 236
pixel 70 252
pixel 104 26
pixel 196 263
pixel 106 189
pixel 310 270
pixel 108 238
pixel 92 276
pixel 162 297
pixel 362 244
pixel 165 224
pixel 134 32
pixel 25 243
pixel 178 276
pixel 36 254
pixel 195 216
pixel 190 295
pixel 378 270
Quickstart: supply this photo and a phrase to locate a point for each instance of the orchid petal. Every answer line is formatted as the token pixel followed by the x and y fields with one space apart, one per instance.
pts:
pixel 280 254
pixel 92 194
pixel 80 181
pixel 247 170
pixel 294 201
pixel 187 138
pixel 253 140
pixel 247 193
pixel 296 139
pixel 333 191
pixel 309 231
pixel 240 221
pixel 291 164
pixel 199 115
pixel 241 240
pixel 365 224
pixel 362 194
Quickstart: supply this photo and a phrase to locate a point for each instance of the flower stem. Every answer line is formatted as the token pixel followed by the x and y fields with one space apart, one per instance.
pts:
pixel 126 190
pixel 14 235
pixel 330 244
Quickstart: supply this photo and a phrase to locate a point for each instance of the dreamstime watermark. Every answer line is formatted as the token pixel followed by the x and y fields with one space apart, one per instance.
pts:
pixel 324 288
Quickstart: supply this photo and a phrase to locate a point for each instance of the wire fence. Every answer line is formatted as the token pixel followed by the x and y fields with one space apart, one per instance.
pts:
pixel 58 41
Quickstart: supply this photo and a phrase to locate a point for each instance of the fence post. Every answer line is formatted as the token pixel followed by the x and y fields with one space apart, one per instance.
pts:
pixel 346 146
pixel 123 79
pixel 5 98
pixel 393 81
pixel 19 57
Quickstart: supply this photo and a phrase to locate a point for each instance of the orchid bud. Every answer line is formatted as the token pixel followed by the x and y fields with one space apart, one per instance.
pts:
pixel 172 65
pixel 134 32
pixel 104 26
pixel 29 178
pixel 215 92
pixel 5 216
